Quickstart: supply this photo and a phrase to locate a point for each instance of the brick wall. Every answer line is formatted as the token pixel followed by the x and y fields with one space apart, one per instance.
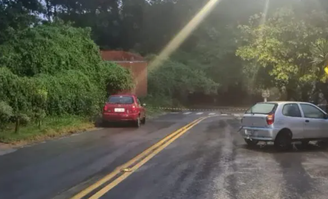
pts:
pixel 135 63
pixel 139 72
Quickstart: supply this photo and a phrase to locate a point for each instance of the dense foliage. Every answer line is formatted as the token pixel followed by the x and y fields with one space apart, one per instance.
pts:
pixel 176 80
pixel 55 69
pixel 291 47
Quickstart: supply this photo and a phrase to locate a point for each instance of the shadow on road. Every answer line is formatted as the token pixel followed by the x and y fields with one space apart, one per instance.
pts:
pixel 296 148
pixel 117 125
pixel 100 124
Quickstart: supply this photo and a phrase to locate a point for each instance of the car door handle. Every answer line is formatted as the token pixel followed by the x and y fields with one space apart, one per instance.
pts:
pixel 307 120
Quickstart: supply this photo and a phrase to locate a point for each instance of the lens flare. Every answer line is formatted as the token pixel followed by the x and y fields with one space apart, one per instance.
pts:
pixel 265 12
pixel 183 34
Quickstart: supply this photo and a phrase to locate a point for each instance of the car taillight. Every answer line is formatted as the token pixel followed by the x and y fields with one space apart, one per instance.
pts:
pixel 270 119
pixel 106 109
pixel 134 109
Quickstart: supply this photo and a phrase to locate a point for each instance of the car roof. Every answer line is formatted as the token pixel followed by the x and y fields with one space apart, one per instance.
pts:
pixel 124 95
pixel 285 102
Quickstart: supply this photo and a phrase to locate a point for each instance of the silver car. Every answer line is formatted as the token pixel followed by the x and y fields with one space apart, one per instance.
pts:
pixel 284 122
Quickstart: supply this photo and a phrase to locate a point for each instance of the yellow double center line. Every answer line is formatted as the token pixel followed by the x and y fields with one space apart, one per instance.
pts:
pixel 123 171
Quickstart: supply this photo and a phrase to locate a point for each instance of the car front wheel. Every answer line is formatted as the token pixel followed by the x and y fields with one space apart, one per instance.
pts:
pixel 137 122
pixel 143 121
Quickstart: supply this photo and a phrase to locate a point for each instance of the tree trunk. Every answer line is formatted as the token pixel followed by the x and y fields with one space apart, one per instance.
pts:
pixel 323 88
pixel 306 92
pixel 305 96
pixel 289 94
pixel 17 125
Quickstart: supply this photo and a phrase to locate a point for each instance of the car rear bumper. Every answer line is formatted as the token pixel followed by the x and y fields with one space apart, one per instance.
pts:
pixel 256 133
pixel 117 117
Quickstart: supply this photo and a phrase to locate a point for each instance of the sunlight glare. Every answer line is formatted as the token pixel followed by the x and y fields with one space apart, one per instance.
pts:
pixel 183 34
pixel 265 12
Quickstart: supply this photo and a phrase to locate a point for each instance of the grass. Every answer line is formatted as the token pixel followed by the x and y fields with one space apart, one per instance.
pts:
pixel 153 104
pixel 50 128
pixel 153 112
pixel 53 127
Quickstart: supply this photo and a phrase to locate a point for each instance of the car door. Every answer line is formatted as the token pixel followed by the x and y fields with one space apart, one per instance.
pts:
pixel 292 119
pixel 315 122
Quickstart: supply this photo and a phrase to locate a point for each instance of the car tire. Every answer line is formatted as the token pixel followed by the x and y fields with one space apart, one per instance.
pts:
pixel 283 141
pixel 104 123
pixel 251 143
pixel 137 123
pixel 305 142
pixel 143 121
pixel 322 143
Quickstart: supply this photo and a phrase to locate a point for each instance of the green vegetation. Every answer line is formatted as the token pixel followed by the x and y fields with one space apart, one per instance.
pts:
pixel 175 80
pixel 50 71
pixel 290 49
pixel 50 67
pixel 52 127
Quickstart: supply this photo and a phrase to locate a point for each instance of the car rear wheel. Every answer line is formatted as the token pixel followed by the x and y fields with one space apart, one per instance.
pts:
pixel 251 143
pixel 322 143
pixel 104 123
pixel 283 141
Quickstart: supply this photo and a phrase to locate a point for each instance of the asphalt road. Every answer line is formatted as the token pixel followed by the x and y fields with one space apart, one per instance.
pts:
pixel 209 161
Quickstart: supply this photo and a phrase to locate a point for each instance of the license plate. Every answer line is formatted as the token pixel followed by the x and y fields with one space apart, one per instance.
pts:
pixel 119 110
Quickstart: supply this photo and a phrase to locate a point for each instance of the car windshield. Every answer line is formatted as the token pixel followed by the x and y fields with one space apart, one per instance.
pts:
pixel 120 100
pixel 262 108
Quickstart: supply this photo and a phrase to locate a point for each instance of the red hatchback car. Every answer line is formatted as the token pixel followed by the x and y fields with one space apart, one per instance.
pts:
pixel 124 108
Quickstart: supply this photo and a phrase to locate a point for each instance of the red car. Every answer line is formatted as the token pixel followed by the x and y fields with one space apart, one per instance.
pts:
pixel 124 108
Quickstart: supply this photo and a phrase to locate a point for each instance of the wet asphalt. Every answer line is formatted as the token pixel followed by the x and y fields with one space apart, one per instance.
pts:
pixel 209 161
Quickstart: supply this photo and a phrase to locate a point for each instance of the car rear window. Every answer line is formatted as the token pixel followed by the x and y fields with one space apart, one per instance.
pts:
pixel 262 108
pixel 120 100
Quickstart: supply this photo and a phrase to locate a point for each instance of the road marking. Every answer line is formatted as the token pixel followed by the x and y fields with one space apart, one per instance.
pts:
pixel 187 113
pixel 224 114
pixel 135 163
pixel 236 115
pixel 200 113
pixel 212 114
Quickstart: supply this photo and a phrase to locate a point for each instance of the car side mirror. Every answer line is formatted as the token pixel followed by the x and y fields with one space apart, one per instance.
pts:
pixel 143 104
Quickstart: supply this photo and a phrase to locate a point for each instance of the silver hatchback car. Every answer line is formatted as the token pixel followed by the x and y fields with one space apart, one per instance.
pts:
pixel 284 122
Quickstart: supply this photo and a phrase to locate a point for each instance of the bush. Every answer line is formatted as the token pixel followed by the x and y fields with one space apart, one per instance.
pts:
pixel 114 78
pixel 6 112
pixel 54 70
pixel 175 80
pixel 71 92
pixel 49 49
pixel 17 92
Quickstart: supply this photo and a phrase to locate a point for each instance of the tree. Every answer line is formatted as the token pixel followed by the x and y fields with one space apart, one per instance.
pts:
pixel 103 17
pixel 281 45
pixel 16 15
pixel 319 54
pixel 179 80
